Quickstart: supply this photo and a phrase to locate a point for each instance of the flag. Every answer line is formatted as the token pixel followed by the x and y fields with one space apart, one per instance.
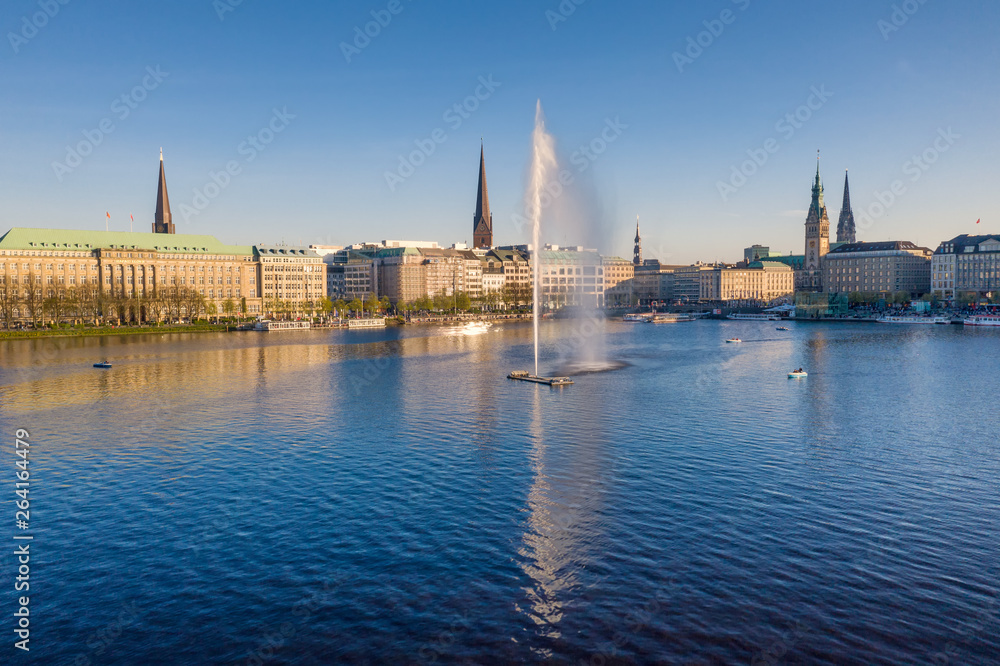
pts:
pixel 977 221
pixel 130 217
pixel 108 214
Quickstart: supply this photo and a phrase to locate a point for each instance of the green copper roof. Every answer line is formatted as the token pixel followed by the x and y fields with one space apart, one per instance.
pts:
pixel 20 238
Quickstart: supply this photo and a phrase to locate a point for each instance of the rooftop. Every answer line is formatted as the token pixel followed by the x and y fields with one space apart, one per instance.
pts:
pixel 22 238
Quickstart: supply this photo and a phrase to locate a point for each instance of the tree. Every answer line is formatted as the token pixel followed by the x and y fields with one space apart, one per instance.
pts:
pixel 213 311
pixel 32 298
pixel 462 301
pixel 228 307
pixel 325 305
pixel 442 301
pixel 355 305
pixel 8 301
pixel 384 303
pixel 56 303
pixel 339 305
pixel 901 297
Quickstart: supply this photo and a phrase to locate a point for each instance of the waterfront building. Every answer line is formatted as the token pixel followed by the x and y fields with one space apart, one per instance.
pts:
pixel 130 276
pixel 885 267
pixel 571 276
pixel 966 264
pixel 619 283
pixel 292 278
pixel 766 281
pixel 846 229
pixel 409 273
pixel 817 242
pixel 757 253
pixel 518 288
pixel 349 275
pixel 482 223
pixel 653 282
pixel 687 281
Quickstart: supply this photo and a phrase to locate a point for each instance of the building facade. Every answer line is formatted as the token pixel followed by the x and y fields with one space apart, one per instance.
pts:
pixel 129 276
pixel 966 264
pixel 878 268
pixel 619 283
pixel 763 281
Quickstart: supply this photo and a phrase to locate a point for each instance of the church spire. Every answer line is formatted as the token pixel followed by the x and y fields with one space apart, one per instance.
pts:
pixel 817 238
pixel 846 230
pixel 482 223
pixel 163 220
pixel 637 250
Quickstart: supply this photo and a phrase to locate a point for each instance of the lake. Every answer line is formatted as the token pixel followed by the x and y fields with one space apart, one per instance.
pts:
pixel 389 496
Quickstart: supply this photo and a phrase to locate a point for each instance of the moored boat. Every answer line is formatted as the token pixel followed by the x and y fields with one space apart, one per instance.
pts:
pixel 103 364
pixel 669 318
pixel 912 319
pixel 754 317
pixel 982 320
pixel 637 317
pixel 797 374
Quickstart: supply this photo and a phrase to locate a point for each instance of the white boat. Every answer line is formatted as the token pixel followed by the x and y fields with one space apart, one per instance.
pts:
pixel 982 320
pixel 734 340
pixel 754 317
pixel 282 325
pixel 374 322
pixel 637 317
pixel 798 374
pixel 669 318
pixel 912 319
pixel 781 328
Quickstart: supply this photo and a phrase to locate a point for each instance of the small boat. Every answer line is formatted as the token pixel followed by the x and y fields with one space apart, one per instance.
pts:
pixel 734 340
pixel 797 374
pixel 103 364
pixel 781 328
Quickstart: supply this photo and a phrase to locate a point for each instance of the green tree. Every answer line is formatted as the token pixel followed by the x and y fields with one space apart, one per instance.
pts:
pixel 462 301
pixel 212 310
pixel 384 303
pixel 355 305
pixel 325 306
pixel 339 305
pixel 228 307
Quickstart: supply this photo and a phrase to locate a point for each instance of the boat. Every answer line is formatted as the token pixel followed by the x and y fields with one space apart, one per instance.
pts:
pixel 982 320
pixel 669 318
pixel 734 340
pixel 912 319
pixel 267 325
pixel 103 364
pixel 798 374
pixel 754 317
pixel 637 317
pixel 374 322
pixel 781 328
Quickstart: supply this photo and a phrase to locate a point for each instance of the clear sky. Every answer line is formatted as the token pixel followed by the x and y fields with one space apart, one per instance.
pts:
pixel 887 80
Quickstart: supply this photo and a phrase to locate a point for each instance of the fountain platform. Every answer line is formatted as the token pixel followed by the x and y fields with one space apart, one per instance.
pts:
pixel 524 376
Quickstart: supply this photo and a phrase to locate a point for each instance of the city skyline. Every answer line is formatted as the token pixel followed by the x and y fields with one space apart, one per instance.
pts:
pixel 316 170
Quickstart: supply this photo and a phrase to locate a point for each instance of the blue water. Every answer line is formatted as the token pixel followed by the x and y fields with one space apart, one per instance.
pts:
pixel 389 497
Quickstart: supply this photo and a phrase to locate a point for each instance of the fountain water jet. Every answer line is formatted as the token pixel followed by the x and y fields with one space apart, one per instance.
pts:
pixel 543 165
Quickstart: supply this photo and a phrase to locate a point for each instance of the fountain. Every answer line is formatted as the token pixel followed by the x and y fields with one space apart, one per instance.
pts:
pixel 543 166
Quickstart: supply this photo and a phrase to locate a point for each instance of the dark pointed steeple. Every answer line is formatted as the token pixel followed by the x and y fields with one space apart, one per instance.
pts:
pixel 163 223
pixel 482 223
pixel 637 250
pixel 846 230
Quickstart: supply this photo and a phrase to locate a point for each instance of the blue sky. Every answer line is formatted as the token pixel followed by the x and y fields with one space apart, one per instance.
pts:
pixel 928 88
